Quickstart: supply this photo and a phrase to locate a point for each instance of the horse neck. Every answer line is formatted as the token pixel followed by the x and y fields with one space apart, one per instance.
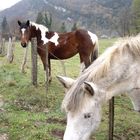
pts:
pixel 34 33
pixel 40 32
pixel 120 78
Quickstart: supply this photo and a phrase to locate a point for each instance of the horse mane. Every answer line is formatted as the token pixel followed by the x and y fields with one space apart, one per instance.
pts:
pixel 43 30
pixel 127 45
pixel 99 68
pixel 39 26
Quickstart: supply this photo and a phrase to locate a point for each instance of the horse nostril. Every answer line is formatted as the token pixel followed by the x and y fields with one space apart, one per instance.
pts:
pixel 23 45
pixel 88 115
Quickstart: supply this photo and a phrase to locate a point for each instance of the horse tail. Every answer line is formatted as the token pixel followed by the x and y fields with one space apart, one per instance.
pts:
pixel 95 51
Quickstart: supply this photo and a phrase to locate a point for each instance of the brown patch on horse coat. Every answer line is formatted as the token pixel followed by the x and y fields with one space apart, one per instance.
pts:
pixel 69 44
pixel 49 34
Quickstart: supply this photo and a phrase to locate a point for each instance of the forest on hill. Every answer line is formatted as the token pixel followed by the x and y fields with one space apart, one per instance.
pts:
pixel 103 17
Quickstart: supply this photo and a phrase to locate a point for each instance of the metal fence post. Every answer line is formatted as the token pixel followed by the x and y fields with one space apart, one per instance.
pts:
pixel 111 118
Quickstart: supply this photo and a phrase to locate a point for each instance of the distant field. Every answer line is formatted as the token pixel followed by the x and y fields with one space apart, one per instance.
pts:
pixel 28 113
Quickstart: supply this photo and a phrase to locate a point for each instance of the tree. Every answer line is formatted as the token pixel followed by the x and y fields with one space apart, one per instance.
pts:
pixel 5 28
pixel 63 28
pixel 74 27
pixel 48 21
pixel 14 28
pixel 40 18
pixel 122 24
pixel 136 15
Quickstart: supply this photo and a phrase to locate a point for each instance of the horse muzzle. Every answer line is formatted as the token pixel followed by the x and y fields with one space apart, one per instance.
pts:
pixel 24 45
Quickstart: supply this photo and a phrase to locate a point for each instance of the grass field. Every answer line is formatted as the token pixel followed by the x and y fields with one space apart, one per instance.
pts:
pixel 28 113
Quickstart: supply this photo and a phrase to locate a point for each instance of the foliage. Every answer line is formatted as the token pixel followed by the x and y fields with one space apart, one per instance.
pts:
pixel 85 12
pixel 42 18
pixel 48 21
pixel 63 28
pixel 122 24
pixel 74 27
pixel 136 15
pixel 5 28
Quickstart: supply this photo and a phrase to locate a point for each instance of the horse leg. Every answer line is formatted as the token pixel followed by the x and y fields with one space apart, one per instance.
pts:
pixel 48 72
pixel 82 67
pixel 95 51
pixel 94 54
pixel 135 98
pixel 85 62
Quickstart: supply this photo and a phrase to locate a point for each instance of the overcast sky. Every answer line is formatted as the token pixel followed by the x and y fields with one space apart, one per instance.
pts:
pixel 7 3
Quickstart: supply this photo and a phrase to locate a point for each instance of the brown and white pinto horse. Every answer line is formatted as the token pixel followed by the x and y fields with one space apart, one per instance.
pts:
pixel 60 45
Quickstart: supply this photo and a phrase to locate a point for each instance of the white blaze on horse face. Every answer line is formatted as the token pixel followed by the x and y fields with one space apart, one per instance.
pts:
pixel 23 32
pixel 93 37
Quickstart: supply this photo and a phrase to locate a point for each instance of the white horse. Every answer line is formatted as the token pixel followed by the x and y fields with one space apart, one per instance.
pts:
pixel 116 71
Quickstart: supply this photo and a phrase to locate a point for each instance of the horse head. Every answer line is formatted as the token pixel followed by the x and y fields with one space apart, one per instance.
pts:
pixel 25 32
pixel 82 107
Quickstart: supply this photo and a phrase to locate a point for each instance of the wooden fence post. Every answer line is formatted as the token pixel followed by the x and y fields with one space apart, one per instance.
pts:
pixel 63 67
pixel 47 70
pixel 2 48
pixel 24 61
pixel 34 60
pixel 111 118
pixel 0 45
pixel 10 49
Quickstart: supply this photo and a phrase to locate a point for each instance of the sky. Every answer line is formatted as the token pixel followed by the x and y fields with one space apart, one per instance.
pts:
pixel 7 3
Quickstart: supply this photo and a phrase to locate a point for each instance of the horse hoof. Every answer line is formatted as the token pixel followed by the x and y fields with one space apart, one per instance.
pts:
pixel 137 111
pixel 50 81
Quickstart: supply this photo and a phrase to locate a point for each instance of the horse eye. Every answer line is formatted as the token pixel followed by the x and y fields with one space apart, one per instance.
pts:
pixel 87 115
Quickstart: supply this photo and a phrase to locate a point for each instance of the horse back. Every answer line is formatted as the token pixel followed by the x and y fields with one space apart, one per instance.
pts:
pixel 85 40
pixel 66 48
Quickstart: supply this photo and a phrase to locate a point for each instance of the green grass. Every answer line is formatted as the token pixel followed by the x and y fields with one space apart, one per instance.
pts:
pixel 29 113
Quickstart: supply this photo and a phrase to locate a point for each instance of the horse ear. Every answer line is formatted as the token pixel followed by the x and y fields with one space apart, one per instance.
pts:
pixel 66 81
pixel 19 23
pixel 28 23
pixel 89 88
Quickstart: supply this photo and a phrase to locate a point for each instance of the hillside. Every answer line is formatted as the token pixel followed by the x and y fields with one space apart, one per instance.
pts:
pixel 94 15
